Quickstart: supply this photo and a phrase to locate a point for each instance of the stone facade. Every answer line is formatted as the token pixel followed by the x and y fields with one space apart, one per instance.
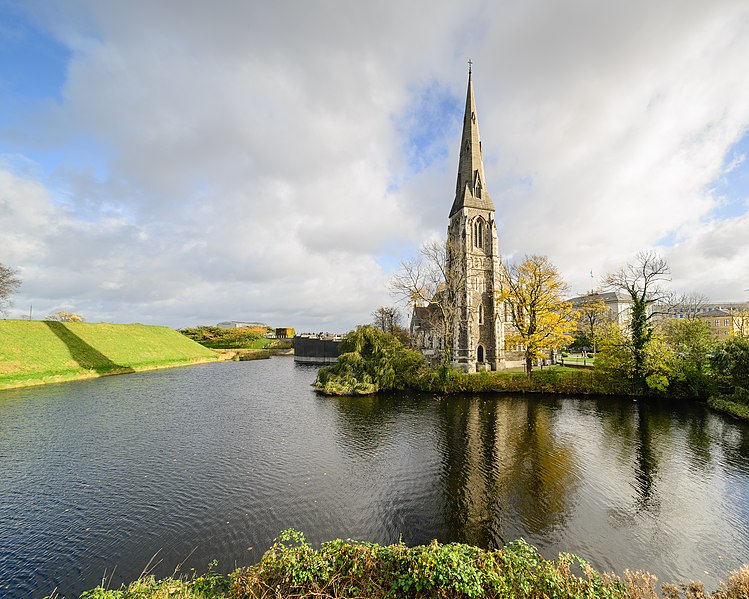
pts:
pixel 473 264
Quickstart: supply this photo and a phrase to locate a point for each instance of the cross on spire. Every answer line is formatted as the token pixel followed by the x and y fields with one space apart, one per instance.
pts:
pixel 470 64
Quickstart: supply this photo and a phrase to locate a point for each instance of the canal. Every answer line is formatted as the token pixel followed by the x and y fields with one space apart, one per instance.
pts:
pixel 168 470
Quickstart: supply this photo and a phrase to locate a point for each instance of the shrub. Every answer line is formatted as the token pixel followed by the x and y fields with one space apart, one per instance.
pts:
pixel 291 568
pixel 371 360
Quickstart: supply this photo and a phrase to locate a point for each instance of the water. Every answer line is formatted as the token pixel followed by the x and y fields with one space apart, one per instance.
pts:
pixel 213 461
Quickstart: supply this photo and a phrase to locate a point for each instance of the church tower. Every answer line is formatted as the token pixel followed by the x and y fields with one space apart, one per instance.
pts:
pixel 473 258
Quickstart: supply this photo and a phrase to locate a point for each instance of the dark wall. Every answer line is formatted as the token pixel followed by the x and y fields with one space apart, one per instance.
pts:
pixel 313 349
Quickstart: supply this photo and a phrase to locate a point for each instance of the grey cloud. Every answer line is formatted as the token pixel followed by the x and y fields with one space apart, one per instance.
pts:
pixel 249 153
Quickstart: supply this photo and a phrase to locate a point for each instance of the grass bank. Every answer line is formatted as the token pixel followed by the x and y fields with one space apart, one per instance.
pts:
pixel 292 568
pixel 735 404
pixel 39 352
pixel 553 379
pixel 247 355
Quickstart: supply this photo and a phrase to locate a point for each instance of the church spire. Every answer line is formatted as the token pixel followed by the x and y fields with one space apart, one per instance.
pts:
pixel 471 186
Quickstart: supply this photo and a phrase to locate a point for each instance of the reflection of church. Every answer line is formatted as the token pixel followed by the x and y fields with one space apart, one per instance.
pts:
pixel 473 262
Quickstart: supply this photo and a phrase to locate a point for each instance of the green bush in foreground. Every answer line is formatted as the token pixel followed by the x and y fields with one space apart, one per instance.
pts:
pixel 292 568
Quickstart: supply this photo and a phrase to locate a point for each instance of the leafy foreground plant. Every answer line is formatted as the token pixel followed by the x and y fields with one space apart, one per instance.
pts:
pixel 291 568
pixel 208 586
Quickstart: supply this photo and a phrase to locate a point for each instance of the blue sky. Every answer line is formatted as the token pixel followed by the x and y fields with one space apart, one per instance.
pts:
pixel 173 164
pixel 733 185
pixel 33 63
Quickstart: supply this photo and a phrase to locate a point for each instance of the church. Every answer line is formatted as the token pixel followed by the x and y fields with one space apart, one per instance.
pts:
pixel 477 333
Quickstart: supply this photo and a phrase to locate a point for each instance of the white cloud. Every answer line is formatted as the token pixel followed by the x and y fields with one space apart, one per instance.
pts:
pixel 241 161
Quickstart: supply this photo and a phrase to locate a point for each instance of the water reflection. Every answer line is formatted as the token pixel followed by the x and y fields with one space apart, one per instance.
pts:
pixel 229 454
pixel 503 469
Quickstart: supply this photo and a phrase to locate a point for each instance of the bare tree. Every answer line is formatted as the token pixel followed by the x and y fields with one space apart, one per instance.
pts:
pixel 9 282
pixel 593 315
pixel 643 281
pixel 691 304
pixel 435 278
pixel 740 318
pixel 387 318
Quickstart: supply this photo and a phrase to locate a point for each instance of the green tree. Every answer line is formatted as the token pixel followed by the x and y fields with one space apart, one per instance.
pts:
pixel 730 362
pixel 371 360
pixel 643 282
pixel 616 359
pixel 9 283
pixel 533 291
pixel 692 342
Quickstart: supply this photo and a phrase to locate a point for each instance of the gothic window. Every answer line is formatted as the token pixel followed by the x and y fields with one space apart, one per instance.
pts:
pixel 478 232
pixel 481 314
pixel 480 353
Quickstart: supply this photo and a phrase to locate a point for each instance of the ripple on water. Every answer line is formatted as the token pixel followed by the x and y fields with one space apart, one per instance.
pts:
pixel 213 461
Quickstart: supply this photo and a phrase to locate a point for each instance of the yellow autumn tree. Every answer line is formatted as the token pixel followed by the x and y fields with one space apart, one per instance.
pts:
pixel 593 315
pixel 533 292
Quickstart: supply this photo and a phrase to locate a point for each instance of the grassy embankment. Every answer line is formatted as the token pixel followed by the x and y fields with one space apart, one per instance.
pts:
pixel 555 379
pixel 39 352
pixel 241 344
pixel 292 568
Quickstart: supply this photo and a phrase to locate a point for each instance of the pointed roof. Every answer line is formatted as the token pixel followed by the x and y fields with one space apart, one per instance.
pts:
pixel 471 186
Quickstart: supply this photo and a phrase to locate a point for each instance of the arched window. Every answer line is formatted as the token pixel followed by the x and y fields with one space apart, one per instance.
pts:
pixel 481 314
pixel 480 353
pixel 478 232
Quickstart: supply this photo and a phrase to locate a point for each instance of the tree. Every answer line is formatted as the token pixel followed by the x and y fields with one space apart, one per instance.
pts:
pixel 593 315
pixel 692 342
pixel 616 362
pixel 434 278
pixel 9 283
pixel 642 282
pixel 387 318
pixel 371 360
pixel 692 304
pixel 65 316
pixel 740 317
pixel 533 292
pixel 730 362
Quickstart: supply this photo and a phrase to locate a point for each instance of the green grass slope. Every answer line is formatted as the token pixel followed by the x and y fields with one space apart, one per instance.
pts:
pixel 37 352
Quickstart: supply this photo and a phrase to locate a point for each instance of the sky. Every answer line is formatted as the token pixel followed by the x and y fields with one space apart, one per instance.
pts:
pixel 184 163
